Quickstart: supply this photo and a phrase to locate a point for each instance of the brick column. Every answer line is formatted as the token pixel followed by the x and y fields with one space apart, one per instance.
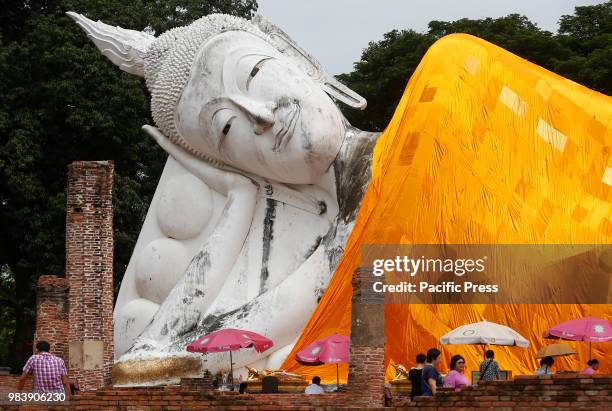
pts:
pixel 205 383
pixel 366 377
pixel 52 314
pixel 89 270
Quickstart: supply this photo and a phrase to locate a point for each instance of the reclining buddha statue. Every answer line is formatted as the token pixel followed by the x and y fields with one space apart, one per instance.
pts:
pixel 256 200
pixel 268 190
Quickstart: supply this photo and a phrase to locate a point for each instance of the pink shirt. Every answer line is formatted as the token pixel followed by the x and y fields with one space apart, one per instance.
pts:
pixel 588 371
pixel 48 370
pixel 455 379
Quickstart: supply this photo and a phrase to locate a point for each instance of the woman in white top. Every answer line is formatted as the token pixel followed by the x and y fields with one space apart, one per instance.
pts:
pixel 545 366
pixel 315 387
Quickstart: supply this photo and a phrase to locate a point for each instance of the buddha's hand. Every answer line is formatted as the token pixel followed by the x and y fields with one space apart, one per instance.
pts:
pixel 222 181
pixel 206 273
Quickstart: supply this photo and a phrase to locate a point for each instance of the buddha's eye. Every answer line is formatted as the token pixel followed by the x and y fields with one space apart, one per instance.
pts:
pixel 256 69
pixel 227 126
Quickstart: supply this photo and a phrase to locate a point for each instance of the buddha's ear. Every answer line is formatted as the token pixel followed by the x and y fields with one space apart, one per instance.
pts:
pixel 309 64
pixel 126 48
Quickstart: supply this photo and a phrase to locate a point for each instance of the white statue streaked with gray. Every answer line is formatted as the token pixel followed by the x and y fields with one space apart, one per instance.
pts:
pixel 258 196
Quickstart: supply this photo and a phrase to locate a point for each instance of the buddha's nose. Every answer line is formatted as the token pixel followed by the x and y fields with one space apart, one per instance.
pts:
pixel 260 113
pixel 263 121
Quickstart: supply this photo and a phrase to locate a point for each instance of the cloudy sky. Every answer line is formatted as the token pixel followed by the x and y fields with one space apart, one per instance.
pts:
pixel 336 31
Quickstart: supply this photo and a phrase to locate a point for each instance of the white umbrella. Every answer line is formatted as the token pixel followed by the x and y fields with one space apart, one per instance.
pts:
pixel 484 333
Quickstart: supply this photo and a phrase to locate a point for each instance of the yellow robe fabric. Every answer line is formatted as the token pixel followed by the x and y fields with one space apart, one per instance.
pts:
pixel 484 148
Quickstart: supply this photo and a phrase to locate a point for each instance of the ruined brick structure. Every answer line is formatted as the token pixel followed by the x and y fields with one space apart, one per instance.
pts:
pixel 367 349
pixel 52 314
pixel 89 271
pixel 8 383
pixel 562 391
pixel 526 393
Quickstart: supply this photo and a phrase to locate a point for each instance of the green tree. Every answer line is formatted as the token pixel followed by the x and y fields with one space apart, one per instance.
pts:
pixel 588 34
pixel 382 74
pixel 63 101
pixel 581 51
pixel 514 33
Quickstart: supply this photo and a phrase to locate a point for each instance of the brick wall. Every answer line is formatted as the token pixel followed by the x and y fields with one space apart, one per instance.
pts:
pixel 8 383
pixel 367 350
pixel 89 270
pixel 525 392
pixel 52 314
pixel 186 398
pixel 558 392
pixel 198 384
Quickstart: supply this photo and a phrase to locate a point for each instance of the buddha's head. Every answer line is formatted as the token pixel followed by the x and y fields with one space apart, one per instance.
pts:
pixel 236 92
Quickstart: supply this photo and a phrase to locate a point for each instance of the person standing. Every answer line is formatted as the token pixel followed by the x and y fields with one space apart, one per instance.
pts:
pixel 415 375
pixel 456 377
pixel 49 371
pixel 431 375
pixel 489 369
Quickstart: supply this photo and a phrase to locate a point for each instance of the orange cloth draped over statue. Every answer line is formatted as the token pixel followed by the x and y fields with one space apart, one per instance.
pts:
pixel 484 148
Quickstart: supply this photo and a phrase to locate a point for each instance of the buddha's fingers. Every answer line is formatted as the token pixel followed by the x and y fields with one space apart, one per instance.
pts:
pixel 206 273
pixel 219 180
pixel 275 314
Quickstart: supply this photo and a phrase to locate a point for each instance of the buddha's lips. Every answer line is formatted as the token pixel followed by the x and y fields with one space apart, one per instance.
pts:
pixel 287 117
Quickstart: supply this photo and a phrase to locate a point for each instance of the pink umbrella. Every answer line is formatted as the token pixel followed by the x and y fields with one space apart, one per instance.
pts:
pixel 589 329
pixel 333 349
pixel 230 339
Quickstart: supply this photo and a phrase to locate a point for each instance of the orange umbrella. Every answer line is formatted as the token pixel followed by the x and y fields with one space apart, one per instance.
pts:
pixel 555 350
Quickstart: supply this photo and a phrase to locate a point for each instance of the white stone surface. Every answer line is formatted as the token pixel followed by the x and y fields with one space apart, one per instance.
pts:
pixel 131 320
pixel 151 231
pixel 125 48
pixel 257 198
pixel 282 125
pixel 159 267
pixel 190 195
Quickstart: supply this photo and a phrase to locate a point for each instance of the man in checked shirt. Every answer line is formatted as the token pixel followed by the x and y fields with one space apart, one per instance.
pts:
pixel 49 371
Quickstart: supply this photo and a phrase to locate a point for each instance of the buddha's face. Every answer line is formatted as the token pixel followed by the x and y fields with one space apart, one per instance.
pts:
pixel 251 107
pixel 460 365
